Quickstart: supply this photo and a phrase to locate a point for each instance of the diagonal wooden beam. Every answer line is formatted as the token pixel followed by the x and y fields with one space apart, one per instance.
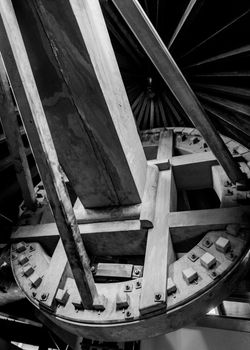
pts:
pixel 81 44
pixel 14 140
pixel 170 72
pixel 47 161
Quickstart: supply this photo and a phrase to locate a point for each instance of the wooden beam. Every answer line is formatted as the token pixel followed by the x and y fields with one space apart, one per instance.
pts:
pixel 52 278
pixel 165 148
pixel 170 72
pixel 14 140
pixel 47 162
pixel 65 122
pixel 159 250
pixel 110 238
pixel 186 225
pixel 93 77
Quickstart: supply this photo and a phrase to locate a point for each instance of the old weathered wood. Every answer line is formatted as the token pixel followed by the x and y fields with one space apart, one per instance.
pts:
pixel 14 140
pixel 52 278
pixel 102 103
pixel 165 147
pixel 62 115
pixel 47 162
pixel 170 72
pixel 190 224
pixel 147 213
pixel 110 238
pixel 159 250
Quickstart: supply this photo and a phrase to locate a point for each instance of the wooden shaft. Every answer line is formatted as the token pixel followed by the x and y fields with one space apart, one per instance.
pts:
pixel 14 141
pixel 170 72
pixel 47 161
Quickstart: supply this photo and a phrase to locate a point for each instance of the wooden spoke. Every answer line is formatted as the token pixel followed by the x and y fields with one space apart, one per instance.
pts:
pixel 235 107
pixel 229 74
pixel 225 90
pixel 182 21
pixel 214 35
pixel 228 54
pixel 239 122
pixel 14 140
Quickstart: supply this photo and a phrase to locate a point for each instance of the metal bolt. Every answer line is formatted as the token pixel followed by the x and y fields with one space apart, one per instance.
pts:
pixel 158 296
pixel 34 294
pixel 127 287
pixel 136 272
pixel 128 314
pixel 214 274
pixel 43 296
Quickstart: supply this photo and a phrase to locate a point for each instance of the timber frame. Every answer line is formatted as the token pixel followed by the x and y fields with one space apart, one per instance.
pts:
pixel 126 205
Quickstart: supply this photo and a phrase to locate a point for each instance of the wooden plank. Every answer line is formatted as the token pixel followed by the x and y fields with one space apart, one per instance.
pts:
pixel 112 238
pixel 52 278
pixel 212 36
pixel 14 140
pixel 104 105
pixel 165 148
pixel 147 213
pixel 164 63
pixel 157 253
pixel 48 164
pixel 159 250
pixel 189 224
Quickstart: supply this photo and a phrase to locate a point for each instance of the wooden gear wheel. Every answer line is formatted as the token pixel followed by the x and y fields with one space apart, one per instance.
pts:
pixel 151 287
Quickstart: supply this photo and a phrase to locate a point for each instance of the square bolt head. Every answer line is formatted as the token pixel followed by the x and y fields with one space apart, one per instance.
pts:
pixel 207 260
pixel 28 270
pixel 193 257
pixel 62 297
pixel 171 286
pixel 222 244
pixel 189 275
pixel 35 280
pixel 20 247
pixel 207 243
pixel 23 259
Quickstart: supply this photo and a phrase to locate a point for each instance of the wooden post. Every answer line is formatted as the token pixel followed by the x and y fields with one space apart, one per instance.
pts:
pixel 14 140
pixel 47 161
pixel 170 72
pixel 81 44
